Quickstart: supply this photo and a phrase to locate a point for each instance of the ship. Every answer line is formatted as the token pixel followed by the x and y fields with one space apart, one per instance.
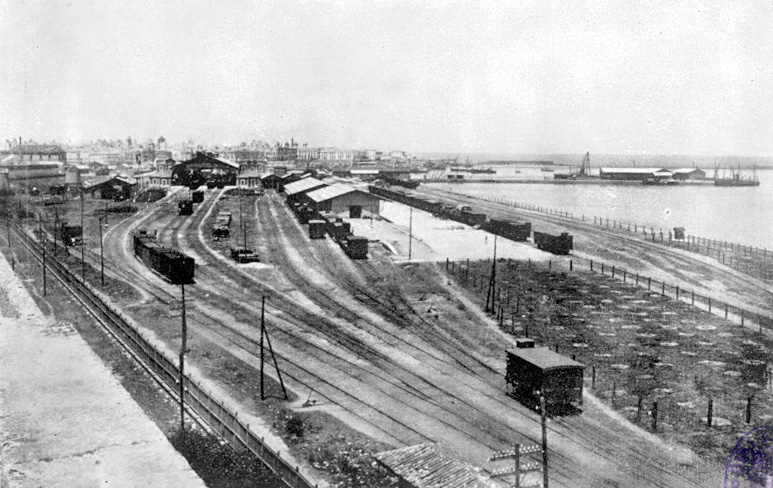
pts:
pixel 736 178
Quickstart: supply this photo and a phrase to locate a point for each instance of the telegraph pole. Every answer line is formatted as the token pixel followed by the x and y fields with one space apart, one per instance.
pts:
pixel 262 332
pixel 101 253
pixel 410 233
pixel 83 244
pixel 182 361
pixel 544 414
pixel 492 283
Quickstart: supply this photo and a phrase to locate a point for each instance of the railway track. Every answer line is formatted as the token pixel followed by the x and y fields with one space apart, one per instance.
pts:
pixel 270 232
pixel 230 284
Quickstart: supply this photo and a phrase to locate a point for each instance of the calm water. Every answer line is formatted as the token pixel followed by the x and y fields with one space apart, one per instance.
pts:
pixel 742 215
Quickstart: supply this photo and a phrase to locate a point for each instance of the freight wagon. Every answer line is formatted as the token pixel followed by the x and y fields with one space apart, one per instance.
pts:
pixel 356 247
pixel 185 207
pixel 173 265
pixel 465 215
pixel 561 244
pixel 244 256
pixel 72 235
pixel 509 229
pixel 197 196
pixel 537 371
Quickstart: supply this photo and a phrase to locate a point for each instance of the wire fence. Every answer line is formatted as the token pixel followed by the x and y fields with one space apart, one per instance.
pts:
pixel 629 375
pixel 751 260
pixel 213 412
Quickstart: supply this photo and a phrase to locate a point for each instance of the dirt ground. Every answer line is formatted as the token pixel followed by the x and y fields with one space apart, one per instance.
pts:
pixel 379 305
pixel 638 344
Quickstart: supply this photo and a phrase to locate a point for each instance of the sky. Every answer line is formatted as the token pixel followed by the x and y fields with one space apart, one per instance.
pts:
pixel 649 77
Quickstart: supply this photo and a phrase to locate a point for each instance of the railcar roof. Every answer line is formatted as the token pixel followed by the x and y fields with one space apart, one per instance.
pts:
pixel 544 358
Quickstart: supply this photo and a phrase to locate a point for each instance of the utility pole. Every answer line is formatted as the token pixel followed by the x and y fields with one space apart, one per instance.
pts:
pixel 410 233
pixel 492 282
pixel 7 215
pixel 101 253
pixel 263 332
pixel 544 414
pixel 182 361
pixel 43 245
pixel 83 244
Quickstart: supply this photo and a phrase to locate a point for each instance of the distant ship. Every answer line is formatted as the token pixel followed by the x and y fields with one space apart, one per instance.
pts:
pixel 736 178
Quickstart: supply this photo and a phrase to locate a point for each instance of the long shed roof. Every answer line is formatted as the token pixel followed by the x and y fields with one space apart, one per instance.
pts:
pixel 544 358
pixel 633 171
pixel 425 466
pixel 299 186
pixel 330 192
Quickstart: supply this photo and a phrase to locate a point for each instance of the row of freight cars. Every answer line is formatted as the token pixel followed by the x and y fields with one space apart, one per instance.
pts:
pixel 169 263
pixel 509 229
pixel 322 223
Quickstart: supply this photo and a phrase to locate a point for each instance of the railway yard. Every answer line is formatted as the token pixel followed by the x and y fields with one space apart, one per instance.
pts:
pixel 386 352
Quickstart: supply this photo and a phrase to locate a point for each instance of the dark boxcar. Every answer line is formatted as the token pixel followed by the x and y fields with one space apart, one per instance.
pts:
pixel 221 232
pixel 532 371
pixel 317 229
pixel 173 265
pixel 72 235
pixel 245 256
pixel 561 245
pixel 197 196
pixel 356 247
pixel 509 229
pixel 185 207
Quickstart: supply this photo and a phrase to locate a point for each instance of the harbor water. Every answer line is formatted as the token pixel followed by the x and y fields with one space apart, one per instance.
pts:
pixel 742 215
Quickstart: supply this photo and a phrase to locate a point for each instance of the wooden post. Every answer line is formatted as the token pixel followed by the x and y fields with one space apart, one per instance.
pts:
pixel 677 292
pixel 710 412
pixel 654 416
pixel 593 377
pixel 638 410
pixel 571 265
pixel 182 360
pixel 517 459
pixel 749 410
pixel 649 284
pixel 543 409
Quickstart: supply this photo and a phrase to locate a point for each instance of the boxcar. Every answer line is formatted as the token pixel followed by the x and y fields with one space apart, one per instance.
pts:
pixel 561 244
pixel 509 229
pixel 356 247
pixel 173 265
pixel 185 207
pixel 532 371
pixel 72 235
pixel 197 196
pixel 317 229
pixel 245 256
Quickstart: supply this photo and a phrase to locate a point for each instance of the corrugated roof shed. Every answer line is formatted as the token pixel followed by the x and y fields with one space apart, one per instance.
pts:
pixel 544 358
pixel 330 192
pixel 302 185
pixel 634 171
pixel 425 466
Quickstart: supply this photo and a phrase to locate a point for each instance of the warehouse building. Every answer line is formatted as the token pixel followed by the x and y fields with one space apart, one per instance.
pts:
pixel 634 174
pixel 296 190
pixel 340 198
pixel 683 174
pixel 116 188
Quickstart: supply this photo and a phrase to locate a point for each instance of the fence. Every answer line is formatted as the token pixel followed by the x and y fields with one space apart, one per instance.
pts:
pixel 746 259
pixel 210 410
pixel 503 304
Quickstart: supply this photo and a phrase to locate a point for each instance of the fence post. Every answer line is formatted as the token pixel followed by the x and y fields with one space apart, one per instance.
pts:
pixel 749 410
pixel 602 268
pixel 571 265
pixel 593 377
pixel 649 284
pixel 726 311
pixel 446 264
pixel 637 279
pixel 663 289
pixel 591 265
pixel 710 413
pixel 677 292
pixel 709 304
pixel 655 416
pixel 613 271
pixel 625 274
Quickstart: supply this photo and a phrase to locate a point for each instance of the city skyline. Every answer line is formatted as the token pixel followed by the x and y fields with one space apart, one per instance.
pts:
pixel 528 78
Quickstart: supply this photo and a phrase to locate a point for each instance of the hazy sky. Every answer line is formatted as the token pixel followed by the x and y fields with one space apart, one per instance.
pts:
pixel 513 76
